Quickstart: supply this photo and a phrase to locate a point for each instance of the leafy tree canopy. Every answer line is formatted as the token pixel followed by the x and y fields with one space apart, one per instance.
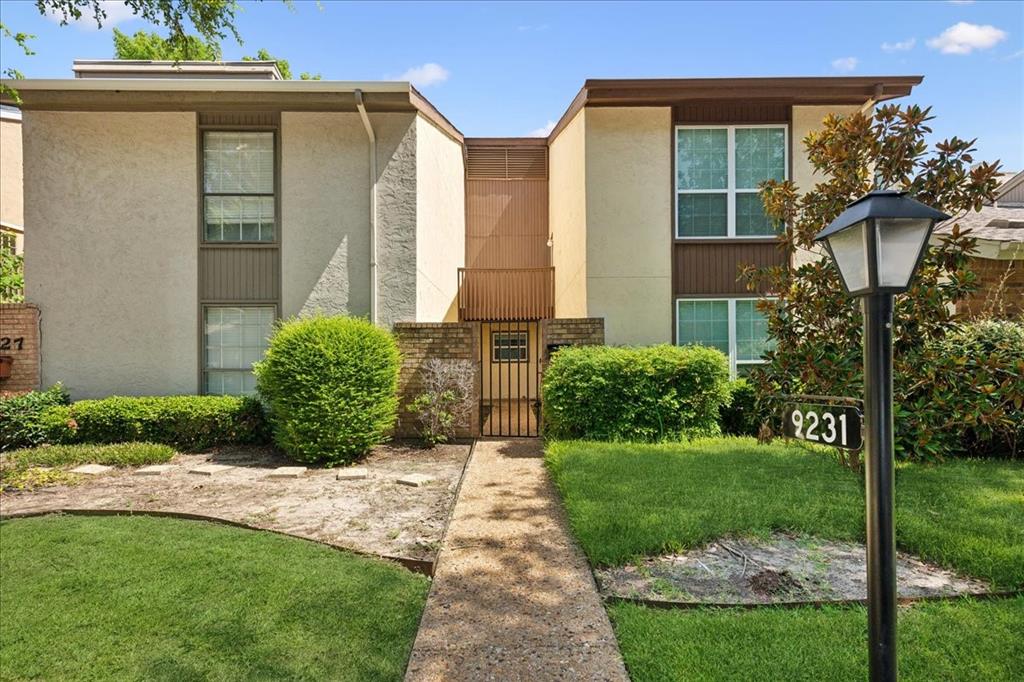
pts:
pixel 143 45
pixel 263 55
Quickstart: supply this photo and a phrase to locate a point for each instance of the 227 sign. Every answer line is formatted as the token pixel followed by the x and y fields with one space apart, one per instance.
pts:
pixel 835 425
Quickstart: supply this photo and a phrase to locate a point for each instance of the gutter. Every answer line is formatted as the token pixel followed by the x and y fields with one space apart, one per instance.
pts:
pixel 373 202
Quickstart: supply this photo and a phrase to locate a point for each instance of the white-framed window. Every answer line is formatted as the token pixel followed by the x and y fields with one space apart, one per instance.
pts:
pixel 732 325
pixel 718 169
pixel 510 347
pixel 238 186
pixel 234 337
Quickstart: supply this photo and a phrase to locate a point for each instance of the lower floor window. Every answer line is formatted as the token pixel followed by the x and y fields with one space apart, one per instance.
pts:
pixel 233 339
pixel 732 325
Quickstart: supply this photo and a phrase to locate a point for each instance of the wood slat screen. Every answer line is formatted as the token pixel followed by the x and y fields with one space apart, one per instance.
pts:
pixel 507 294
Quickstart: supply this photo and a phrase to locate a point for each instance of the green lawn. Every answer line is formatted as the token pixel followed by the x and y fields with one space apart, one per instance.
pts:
pixel 961 640
pixel 132 598
pixel 627 500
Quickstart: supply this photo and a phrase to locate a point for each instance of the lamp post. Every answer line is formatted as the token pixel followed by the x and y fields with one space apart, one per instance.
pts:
pixel 877 243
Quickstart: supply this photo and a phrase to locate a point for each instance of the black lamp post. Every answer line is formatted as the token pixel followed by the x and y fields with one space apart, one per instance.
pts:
pixel 877 244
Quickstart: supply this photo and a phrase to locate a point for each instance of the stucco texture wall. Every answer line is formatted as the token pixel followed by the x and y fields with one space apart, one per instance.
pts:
pixel 629 222
pixel 11 206
pixel 440 223
pixel 113 272
pixel 396 217
pixel 325 204
pixel 567 216
pixel 807 119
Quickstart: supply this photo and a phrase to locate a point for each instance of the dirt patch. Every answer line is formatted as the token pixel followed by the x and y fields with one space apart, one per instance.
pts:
pixel 783 568
pixel 374 515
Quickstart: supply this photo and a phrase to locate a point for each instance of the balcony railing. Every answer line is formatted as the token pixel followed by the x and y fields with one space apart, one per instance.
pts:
pixel 506 294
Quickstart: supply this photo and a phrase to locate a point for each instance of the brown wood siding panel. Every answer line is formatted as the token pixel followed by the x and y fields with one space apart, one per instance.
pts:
pixel 721 113
pixel 238 274
pixel 240 118
pixel 712 268
pixel 507 224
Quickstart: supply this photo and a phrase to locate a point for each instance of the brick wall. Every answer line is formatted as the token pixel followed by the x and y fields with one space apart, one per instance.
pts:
pixel 421 341
pixel 990 273
pixel 583 331
pixel 19 339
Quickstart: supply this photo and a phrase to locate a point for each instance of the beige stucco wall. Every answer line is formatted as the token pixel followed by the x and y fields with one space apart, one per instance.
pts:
pixel 440 223
pixel 629 222
pixel 111 253
pixel 11 205
pixel 807 119
pixel 325 209
pixel 567 217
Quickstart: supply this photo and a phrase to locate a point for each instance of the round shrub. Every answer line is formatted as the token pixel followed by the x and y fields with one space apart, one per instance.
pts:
pixel 331 384
pixel 638 394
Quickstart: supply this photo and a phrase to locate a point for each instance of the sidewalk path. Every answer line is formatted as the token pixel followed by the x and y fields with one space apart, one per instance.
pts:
pixel 513 597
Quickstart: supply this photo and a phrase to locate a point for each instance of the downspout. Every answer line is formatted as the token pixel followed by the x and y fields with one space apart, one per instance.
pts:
pixel 373 203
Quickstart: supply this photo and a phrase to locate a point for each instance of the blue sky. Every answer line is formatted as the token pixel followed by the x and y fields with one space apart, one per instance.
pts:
pixel 512 68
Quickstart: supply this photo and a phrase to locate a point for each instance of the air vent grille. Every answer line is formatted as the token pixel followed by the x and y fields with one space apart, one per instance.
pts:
pixel 506 163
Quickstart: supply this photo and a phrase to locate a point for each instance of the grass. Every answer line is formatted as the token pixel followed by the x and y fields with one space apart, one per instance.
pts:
pixel 962 640
pixel 19 469
pixel 626 500
pixel 123 598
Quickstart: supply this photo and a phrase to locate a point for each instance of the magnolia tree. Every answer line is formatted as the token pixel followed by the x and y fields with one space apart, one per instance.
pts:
pixel 815 328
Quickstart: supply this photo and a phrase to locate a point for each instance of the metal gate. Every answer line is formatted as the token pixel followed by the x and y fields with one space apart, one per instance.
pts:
pixel 510 364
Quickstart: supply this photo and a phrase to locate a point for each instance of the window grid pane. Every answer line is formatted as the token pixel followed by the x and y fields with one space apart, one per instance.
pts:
pixel 751 331
pixel 702 158
pixel 705 323
pixel 238 169
pixel 760 156
pixel 750 216
pixel 233 339
pixel 703 215
pixel 510 347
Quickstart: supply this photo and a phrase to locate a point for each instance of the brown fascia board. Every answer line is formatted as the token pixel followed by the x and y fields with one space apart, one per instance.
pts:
pixel 433 114
pixel 789 90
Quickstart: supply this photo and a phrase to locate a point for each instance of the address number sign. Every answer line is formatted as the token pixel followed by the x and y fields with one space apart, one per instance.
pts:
pixel 836 425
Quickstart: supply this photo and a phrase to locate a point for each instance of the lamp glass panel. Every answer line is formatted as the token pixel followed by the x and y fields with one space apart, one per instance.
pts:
pixel 850 250
pixel 900 241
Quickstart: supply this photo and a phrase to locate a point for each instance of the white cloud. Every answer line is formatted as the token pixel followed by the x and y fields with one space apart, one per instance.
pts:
pixel 1016 55
pixel 425 75
pixel 964 38
pixel 900 45
pixel 543 131
pixel 844 64
pixel 116 11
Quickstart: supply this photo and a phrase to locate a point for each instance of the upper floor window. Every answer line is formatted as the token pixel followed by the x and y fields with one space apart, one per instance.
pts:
pixel 238 186
pixel 718 169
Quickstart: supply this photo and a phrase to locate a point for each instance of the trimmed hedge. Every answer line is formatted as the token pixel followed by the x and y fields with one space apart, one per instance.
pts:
pixel 21 417
pixel 645 394
pixel 186 422
pixel 331 383
pixel 114 454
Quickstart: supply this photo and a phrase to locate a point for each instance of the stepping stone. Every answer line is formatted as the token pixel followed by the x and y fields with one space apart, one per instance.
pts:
pixel 353 474
pixel 414 480
pixel 287 472
pixel 210 469
pixel 154 470
pixel 91 469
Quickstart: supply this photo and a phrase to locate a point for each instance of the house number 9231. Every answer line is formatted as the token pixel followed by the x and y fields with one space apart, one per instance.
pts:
pixel 835 425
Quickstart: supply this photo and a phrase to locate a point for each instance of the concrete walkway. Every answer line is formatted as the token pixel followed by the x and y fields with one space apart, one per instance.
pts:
pixel 513 597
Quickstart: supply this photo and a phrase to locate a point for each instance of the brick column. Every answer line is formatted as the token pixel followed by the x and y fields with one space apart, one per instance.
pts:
pixel 19 340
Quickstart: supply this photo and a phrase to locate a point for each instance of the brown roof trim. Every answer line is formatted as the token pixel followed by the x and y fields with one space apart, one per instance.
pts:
pixel 432 114
pixel 506 141
pixel 653 92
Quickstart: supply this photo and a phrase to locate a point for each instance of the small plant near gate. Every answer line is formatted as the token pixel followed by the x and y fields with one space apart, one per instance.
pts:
pixel 331 384
pixel 447 399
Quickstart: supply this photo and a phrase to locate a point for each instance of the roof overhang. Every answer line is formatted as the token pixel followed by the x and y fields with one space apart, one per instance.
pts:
pixel 213 94
pixel 664 92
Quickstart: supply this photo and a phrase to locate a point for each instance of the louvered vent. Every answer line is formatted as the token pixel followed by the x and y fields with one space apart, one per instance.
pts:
pixel 506 163
pixel 239 118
